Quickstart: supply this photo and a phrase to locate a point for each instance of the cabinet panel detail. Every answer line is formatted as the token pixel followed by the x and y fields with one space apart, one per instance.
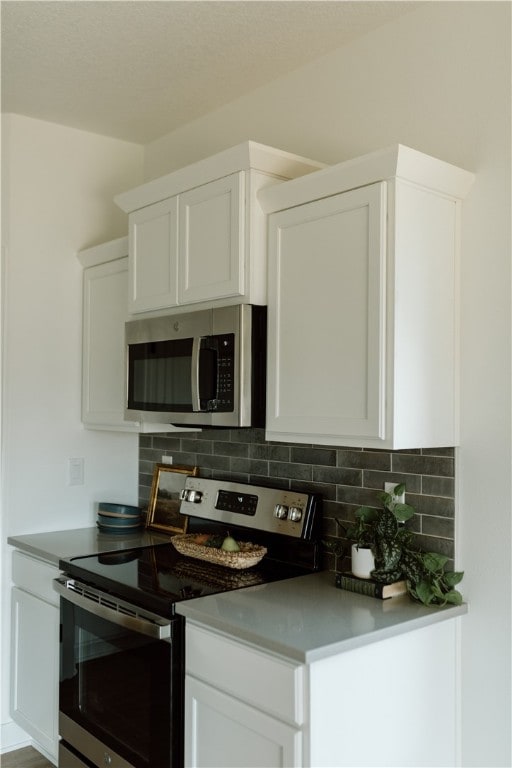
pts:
pixel 153 234
pixel 275 686
pixel 222 732
pixel 35 576
pixel 327 316
pixel 211 241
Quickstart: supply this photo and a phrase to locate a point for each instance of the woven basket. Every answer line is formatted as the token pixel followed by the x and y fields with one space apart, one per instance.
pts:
pixel 249 554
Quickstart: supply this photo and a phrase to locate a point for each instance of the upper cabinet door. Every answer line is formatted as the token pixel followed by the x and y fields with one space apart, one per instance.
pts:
pixel 327 318
pixel 214 212
pixel 104 315
pixel 153 236
pixel 211 241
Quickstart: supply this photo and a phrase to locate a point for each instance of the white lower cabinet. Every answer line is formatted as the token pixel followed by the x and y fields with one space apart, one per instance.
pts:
pixel 242 707
pixel 389 703
pixel 228 733
pixel 35 651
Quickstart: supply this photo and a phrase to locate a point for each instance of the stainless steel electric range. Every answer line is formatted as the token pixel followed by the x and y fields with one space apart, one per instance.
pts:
pixel 121 688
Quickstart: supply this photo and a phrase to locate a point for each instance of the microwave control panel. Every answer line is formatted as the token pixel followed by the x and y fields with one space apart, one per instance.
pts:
pixel 225 373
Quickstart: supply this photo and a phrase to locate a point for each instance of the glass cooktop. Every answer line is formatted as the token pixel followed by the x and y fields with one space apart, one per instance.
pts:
pixel 157 577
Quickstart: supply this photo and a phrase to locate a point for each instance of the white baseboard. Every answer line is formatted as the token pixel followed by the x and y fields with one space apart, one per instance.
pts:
pixel 13 737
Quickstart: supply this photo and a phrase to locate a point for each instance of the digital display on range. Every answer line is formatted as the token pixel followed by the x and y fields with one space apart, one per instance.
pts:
pixel 240 503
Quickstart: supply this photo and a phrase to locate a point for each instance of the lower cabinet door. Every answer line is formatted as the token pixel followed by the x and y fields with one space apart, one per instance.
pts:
pixel 35 670
pixel 223 732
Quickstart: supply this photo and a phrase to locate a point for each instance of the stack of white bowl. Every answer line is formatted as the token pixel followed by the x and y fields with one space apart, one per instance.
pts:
pixel 118 518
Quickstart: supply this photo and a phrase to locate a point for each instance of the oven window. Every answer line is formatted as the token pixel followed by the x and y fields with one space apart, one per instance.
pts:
pixel 122 687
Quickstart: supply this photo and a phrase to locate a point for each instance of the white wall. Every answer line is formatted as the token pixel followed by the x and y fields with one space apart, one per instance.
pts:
pixel 58 187
pixel 438 80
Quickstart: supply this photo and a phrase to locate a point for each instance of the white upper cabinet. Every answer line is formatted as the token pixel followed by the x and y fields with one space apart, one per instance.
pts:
pixel 198 236
pixel 211 230
pixel 327 310
pixel 153 262
pixel 363 303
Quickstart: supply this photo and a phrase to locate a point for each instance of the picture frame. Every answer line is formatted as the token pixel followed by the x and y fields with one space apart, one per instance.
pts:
pixel 164 502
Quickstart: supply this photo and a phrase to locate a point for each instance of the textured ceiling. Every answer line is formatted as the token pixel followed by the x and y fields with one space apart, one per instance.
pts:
pixel 137 70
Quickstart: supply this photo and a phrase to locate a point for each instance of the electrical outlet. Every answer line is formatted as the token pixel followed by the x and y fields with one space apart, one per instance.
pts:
pixel 389 488
pixel 166 459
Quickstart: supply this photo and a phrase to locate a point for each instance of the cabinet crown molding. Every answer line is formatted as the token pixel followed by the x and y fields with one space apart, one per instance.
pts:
pixel 249 155
pixel 101 254
pixel 397 161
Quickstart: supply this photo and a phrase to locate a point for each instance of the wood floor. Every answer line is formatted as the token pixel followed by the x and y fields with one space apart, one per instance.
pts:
pixel 28 757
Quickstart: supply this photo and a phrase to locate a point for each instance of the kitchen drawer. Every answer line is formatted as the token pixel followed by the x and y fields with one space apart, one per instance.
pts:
pixel 35 576
pixel 264 681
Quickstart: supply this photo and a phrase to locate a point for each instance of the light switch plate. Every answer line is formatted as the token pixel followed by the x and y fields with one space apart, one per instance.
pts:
pixel 76 471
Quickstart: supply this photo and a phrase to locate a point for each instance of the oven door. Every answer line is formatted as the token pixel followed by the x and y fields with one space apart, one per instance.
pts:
pixel 121 684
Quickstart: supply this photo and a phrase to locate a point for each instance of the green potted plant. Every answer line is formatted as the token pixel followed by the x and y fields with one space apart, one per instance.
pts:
pixel 375 535
pixel 395 557
pixel 362 536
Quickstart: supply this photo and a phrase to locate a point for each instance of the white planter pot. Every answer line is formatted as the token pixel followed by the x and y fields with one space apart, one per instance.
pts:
pixel 363 562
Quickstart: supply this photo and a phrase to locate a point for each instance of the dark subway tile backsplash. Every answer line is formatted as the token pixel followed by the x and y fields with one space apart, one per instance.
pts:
pixel 347 478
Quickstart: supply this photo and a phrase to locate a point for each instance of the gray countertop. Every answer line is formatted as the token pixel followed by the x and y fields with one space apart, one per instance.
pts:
pixel 58 545
pixel 306 619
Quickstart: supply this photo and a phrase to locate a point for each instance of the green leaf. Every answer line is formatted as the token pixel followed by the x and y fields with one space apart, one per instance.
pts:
pixel 399 489
pixel 453 577
pixel 433 561
pixel 437 590
pixel 424 592
pixel 367 514
pixel 403 512
pixel 454 597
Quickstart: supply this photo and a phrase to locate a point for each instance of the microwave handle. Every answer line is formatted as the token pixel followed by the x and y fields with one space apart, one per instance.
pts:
pixel 196 351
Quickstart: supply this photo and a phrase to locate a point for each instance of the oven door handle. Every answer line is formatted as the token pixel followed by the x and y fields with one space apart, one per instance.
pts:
pixel 155 627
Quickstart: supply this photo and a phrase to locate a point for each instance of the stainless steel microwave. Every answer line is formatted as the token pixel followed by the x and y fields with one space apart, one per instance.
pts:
pixel 205 368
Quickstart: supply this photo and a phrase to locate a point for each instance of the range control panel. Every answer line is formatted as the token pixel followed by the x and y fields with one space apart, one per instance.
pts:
pixel 252 506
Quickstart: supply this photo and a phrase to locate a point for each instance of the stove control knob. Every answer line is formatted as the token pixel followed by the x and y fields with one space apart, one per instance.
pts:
pixel 280 511
pixel 188 494
pixel 295 514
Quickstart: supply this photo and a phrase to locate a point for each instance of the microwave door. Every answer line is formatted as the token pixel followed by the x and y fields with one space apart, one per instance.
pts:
pixel 159 376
